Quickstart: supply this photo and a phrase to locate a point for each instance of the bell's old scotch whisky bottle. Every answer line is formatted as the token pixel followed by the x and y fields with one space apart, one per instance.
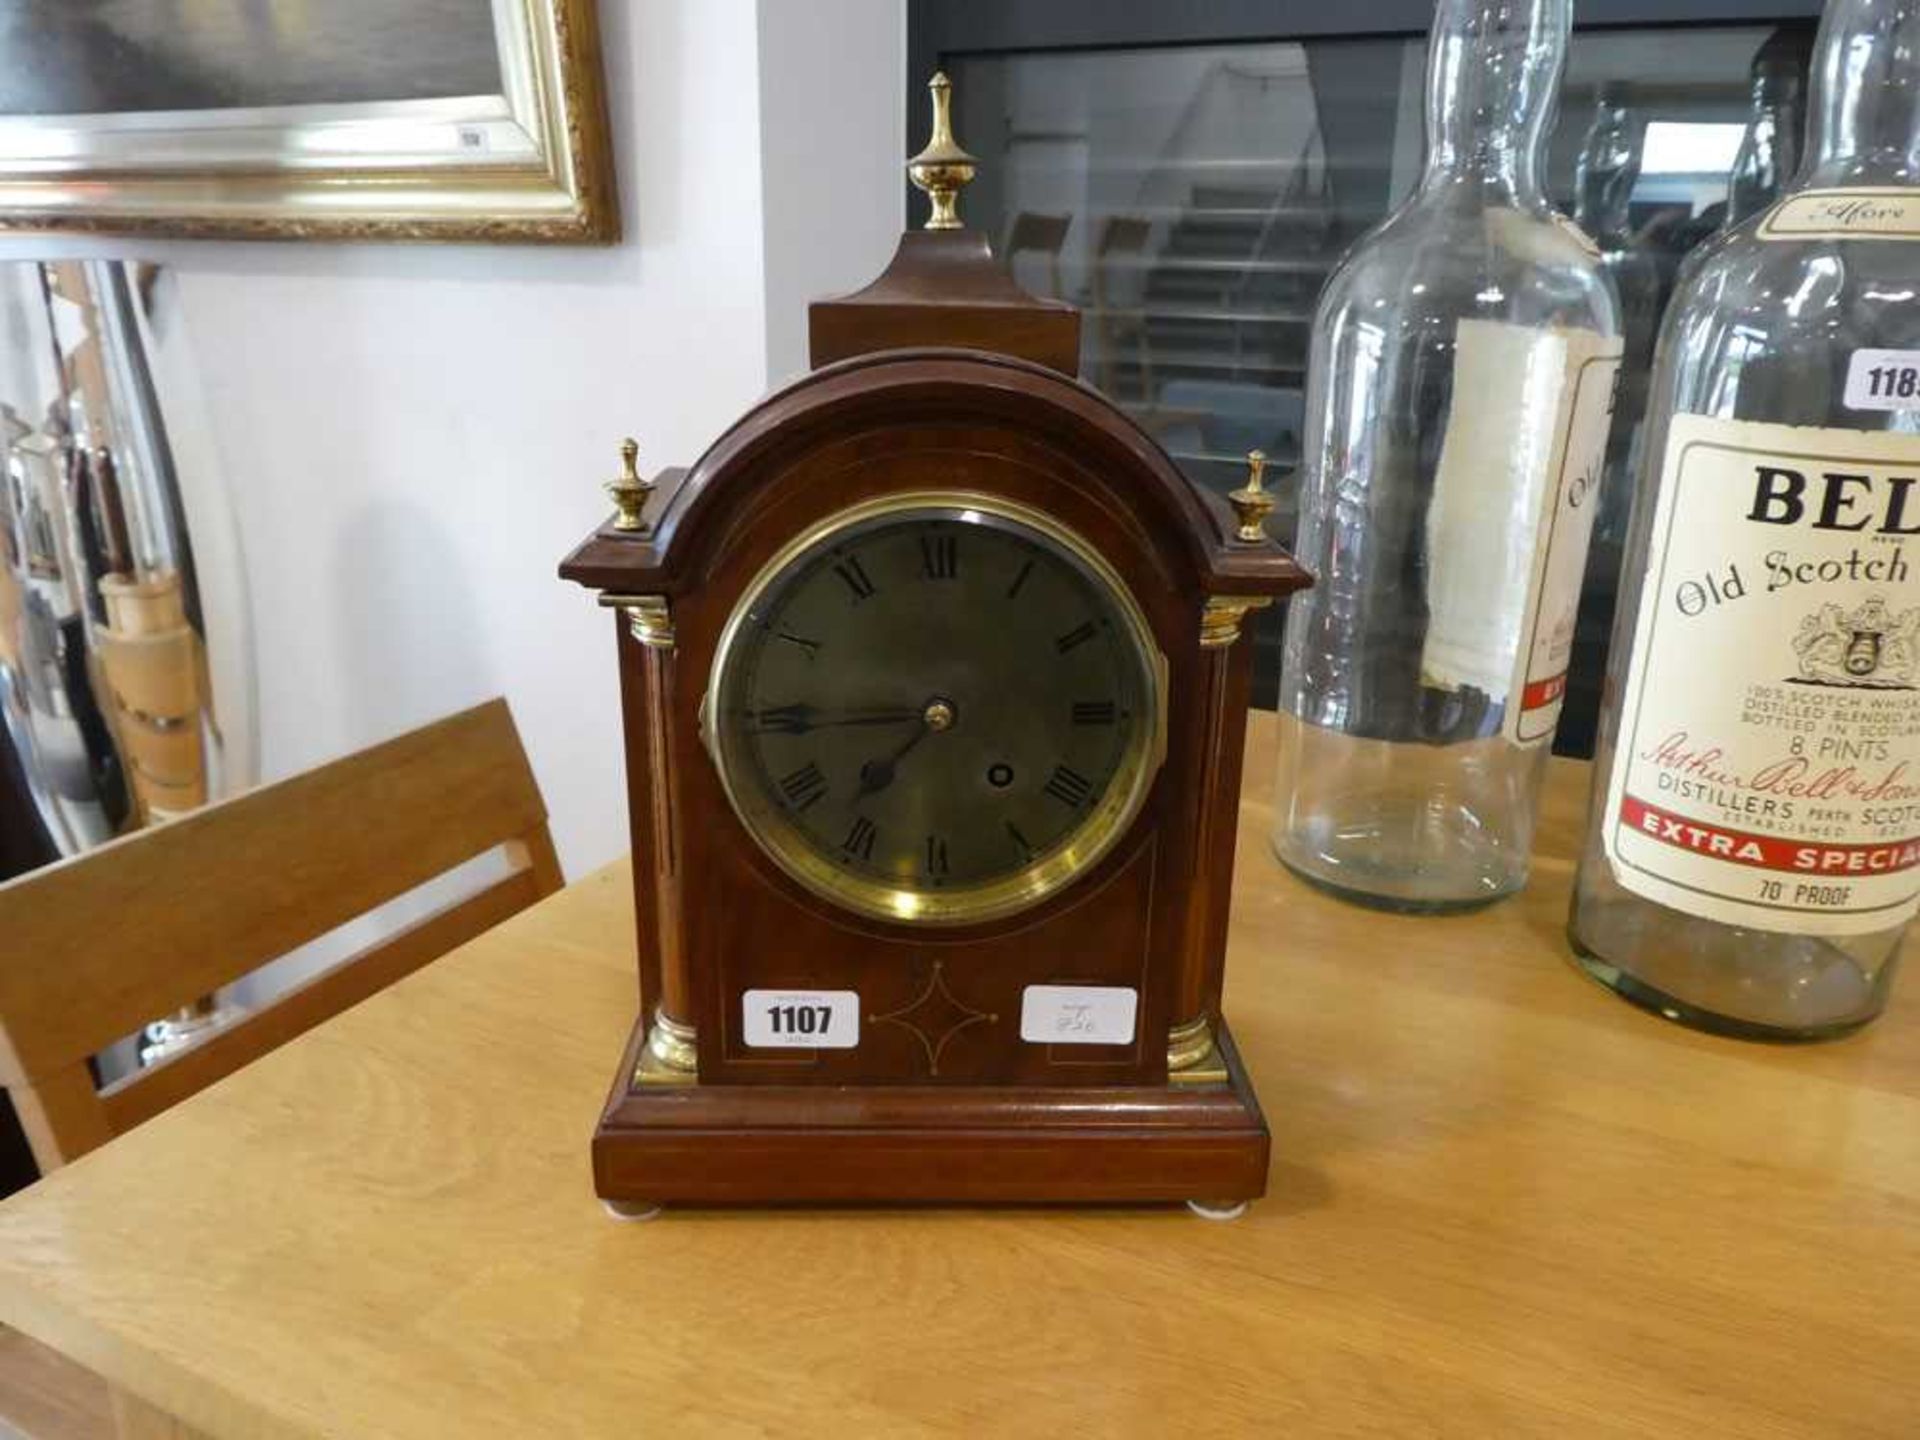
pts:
pixel 1754 853
pixel 1462 375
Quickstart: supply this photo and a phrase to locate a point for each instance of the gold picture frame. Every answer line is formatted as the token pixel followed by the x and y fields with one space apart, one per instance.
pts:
pixel 530 163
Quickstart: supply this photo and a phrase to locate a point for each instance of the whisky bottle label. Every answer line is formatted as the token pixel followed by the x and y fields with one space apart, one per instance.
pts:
pixel 1512 515
pixel 1560 559
pixel 1870 214
pixel 1767 770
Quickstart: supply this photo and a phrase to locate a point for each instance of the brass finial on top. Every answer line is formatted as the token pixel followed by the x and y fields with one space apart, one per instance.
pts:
pixel 629 491
pixel 943 168
pixel 1252 505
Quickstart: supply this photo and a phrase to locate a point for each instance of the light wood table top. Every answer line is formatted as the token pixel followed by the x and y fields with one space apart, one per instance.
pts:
pixel 1504 1203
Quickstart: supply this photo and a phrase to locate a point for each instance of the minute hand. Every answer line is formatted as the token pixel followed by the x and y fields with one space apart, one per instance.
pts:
pixel 804 719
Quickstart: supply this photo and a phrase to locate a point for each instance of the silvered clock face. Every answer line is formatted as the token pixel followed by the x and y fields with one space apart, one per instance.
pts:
pixel 936 709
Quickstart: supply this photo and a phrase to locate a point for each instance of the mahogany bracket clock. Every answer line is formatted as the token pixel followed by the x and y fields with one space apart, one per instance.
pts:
pixel 934 696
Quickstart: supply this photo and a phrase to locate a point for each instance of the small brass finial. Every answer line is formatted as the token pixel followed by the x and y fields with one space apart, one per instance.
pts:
pixel 943 168
pixel 629 491
pixel 1252 505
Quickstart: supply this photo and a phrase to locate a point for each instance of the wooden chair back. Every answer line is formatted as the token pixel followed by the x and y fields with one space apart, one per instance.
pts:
pixel 95 947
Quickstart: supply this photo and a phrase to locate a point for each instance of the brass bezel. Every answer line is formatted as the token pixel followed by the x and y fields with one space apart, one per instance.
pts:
pixel 1099 832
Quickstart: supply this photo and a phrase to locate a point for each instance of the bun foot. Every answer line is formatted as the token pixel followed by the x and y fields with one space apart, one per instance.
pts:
pixel 1218 1210
pixel 632 1210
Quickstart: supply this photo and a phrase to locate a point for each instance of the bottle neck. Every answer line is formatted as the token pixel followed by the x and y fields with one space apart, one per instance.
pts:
pixel 1865 128
pixel 1774 95
pixel 1769 152
pixel 1607 171
pixel 1493 79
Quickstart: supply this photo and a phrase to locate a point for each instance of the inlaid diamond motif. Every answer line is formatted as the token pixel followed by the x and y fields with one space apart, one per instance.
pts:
pixel 934 1017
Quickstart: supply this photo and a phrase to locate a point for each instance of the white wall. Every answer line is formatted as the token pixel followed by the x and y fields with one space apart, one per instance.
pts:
pixel 413 437
pixel 833 149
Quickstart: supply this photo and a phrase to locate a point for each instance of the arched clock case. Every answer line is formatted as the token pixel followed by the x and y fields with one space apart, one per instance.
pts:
pixel 934 694
pixel 880 487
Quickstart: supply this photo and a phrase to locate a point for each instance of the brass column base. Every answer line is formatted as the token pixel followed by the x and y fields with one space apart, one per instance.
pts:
pixel 1192 1056
pixel 670 1056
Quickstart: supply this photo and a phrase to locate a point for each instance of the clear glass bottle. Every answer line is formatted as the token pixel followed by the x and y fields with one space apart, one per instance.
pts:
pixel 1606 175
pixel 1769 154
pixel 1750 866
pixel 1457 351
pixel 1608 167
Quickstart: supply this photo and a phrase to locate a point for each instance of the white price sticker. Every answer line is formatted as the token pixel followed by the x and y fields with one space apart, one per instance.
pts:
pixel 800 1019
pixel 1078 1014
pixel 1884 380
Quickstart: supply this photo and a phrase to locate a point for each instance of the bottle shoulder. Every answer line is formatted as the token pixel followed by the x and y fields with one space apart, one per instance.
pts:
pixel 1769 330
pixel 1434 263
pixel 1779 287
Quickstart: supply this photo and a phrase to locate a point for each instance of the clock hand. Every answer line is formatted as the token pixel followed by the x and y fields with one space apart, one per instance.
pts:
pixel 805 719
pixel 877 775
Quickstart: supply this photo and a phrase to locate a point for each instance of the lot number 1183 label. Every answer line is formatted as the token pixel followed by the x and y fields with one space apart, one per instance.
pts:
pixel 1884 380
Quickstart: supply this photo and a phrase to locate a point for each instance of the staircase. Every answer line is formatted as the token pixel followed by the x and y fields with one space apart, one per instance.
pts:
pixel 1212 354
pixel 1205 267
pixel 1231 295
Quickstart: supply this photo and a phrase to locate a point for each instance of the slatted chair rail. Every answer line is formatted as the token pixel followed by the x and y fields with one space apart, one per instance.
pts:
pixel 100 945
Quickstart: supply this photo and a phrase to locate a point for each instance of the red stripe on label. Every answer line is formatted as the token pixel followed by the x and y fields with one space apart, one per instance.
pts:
pixel 1768 852
pixel 1542 693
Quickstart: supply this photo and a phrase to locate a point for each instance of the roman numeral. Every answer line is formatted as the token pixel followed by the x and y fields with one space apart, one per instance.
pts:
pixel 783 720
pixel 1095 712
pixel 940 556
pixel 855 574
pixel 804 787
pixel 1069 786
pixel 812 647
pixel 859 841
pixel 1074 639
pixel 1026 845
pixel 936 855
pixel 1013 590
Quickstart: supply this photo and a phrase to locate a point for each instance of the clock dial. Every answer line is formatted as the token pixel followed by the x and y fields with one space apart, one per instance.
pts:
pixel 936 709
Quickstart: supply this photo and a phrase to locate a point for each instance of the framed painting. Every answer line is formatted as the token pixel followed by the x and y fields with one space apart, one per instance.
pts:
pixel 306 119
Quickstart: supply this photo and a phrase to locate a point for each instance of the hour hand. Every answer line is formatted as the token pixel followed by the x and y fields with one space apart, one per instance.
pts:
pixel 877 775
pixel 803 719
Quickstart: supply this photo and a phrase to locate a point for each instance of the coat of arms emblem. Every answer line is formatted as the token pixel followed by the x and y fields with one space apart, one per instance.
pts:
pixel 1871 647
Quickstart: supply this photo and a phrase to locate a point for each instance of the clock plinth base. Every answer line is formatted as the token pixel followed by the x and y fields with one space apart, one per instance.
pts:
pixel 931 1144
